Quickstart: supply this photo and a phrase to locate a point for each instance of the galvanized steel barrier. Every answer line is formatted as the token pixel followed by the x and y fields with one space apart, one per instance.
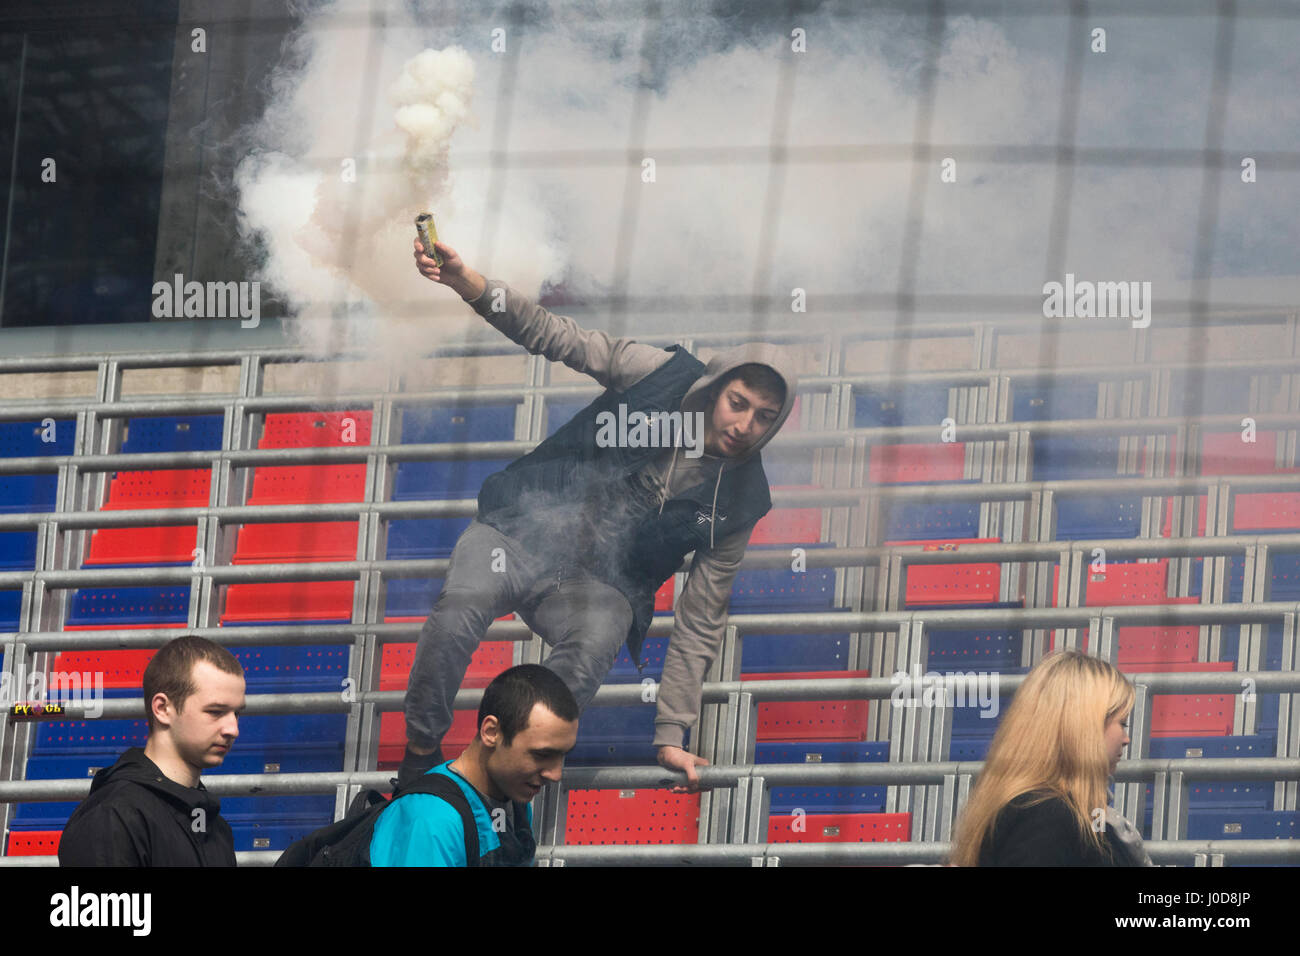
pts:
pixel 887 640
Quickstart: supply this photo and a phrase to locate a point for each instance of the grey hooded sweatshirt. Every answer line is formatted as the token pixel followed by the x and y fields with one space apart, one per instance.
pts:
pixel 701 611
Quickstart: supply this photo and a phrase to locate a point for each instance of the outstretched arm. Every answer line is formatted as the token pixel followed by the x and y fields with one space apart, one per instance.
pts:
pixel 614 363
pixel 700 621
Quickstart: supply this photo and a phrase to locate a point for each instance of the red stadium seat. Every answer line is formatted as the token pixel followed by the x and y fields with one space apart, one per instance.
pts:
pixel 33 842
pixel 839 828
pixel 1191 715
pixel 289 601
pixel 1224 453
pixel 167 544
pixel 307 484
pixel 664 596
pixel 489 660
pixel 789 525
pixel 171 488
pixel 895 464
pixel 811 719
pixel 1141 648
pixel 1267 511
pixel 301 542
pixel 1123 583
pixel 1138 584
pixel 121 669
pixel 392 736
pixel 631 817
pixel 316 429
pixel 951 583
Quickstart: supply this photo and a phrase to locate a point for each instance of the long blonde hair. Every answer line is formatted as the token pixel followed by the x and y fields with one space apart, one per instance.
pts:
pixel 1052 738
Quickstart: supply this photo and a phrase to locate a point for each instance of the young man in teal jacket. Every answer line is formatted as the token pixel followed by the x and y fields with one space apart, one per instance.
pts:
pixel 589 529
pixel 527 722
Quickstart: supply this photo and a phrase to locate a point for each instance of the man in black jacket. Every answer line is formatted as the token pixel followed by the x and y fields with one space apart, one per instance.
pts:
pixel 150 808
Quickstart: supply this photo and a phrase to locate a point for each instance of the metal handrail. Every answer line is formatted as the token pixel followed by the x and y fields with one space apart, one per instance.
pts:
pixel 1162 853
pixel 714 692
pixel 820 557
pixel 814 622
pixel 444 451
pixel 713 777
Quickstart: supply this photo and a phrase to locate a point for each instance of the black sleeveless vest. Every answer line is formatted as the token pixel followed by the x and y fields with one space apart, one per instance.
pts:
pixel 585 507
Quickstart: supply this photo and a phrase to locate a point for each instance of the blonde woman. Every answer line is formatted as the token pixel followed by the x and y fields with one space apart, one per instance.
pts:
pixel 1042 798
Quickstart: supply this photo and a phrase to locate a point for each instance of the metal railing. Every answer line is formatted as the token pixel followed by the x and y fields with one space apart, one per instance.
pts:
pixel 890 637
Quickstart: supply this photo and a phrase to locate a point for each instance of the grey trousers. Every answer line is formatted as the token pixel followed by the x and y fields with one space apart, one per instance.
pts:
pixel 583 620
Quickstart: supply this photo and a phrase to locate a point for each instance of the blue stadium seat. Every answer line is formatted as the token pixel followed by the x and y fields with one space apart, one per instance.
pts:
pixel 615 736
pixel 437 424
pixel 779 589
pixel 17 550
pixel 306 668
pixel 864 799
pixel 1179 748
pixel 622 736
pixel 10 607
pixel 969 748
pixel 1098 516
pixel 1257 794
pixel 171 433
pixel 1064 457
pixel 1218 393
pixel 1214 823
pixel 1053 400
pixel 443 480
pixel 292 731
pixel 975 650
pixel 107 606
pixel 1231 641
pixel 972 728
pixel 411 597
pixel 1268 707
pixel 28 439
pixel 921 521
pixel 783 653
pixel 903 405
pixel 426 480
pixel 413 538
pixel 28 494
pixel 1285 577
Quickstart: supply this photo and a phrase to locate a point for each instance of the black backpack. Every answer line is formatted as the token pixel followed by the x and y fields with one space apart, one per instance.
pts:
pixel 347 842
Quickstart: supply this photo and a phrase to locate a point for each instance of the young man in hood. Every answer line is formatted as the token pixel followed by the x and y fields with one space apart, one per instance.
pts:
pixel 579 534
pixel 150 808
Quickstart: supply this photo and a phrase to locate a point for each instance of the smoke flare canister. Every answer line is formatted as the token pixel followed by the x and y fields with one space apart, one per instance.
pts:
pixel 428 235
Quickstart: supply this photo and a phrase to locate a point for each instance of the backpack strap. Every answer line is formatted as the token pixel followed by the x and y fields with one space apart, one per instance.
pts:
pixel 440 785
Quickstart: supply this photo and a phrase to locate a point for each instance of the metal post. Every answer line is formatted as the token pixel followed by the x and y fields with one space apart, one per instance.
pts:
pixel 1288 713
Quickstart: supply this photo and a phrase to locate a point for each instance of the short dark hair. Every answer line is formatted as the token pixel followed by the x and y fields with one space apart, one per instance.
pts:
pixel 171 670
pixel 511 696
pixel 761 378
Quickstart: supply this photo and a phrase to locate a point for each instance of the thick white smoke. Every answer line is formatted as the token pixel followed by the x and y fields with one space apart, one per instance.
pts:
pixel 354 146
pixel 572 205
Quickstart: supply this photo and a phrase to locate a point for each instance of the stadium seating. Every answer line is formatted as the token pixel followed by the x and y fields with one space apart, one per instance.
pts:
pixel 801 733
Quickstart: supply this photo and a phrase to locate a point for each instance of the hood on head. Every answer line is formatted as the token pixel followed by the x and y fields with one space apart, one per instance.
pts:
pixel 721 365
